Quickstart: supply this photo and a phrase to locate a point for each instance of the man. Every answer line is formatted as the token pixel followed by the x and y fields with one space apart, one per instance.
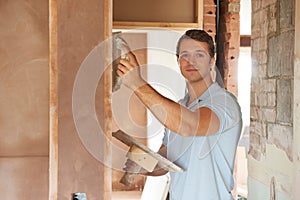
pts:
pixel 202 129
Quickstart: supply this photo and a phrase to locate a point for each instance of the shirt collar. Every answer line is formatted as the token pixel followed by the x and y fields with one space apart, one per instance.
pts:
pixel 210 90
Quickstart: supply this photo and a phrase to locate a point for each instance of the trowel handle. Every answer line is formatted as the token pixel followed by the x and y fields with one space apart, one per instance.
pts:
pixel 128 177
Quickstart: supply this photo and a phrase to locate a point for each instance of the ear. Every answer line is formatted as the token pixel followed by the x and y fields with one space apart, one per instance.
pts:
pixel 212 61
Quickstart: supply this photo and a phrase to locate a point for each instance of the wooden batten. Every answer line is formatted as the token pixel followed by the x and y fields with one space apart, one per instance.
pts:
pixel 53 102
pixel 199 13
pixel 107 101
pixel 128 25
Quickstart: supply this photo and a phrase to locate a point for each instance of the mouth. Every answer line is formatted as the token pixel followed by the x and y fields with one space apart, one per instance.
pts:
pixel 191 70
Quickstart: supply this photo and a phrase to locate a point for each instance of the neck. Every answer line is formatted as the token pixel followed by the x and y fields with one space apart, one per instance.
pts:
pixel 195 90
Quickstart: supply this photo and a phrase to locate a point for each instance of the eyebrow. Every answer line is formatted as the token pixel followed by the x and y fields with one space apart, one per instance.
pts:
pixel 202 51
pixel 198 50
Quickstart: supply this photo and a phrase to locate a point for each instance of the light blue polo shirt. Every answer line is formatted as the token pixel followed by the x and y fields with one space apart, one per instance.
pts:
pixel 208 161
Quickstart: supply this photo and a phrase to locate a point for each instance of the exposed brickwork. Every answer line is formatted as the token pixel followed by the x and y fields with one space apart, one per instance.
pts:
pixel 272 76
pixel 209 17
pixel 228 38
pixel 229 43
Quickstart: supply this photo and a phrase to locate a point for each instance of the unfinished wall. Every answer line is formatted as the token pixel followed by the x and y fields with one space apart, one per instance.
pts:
pixel 272 93
pixel 76 30
pixel 154 11
pixel 209 17
pixel 296 103
pixel 24 99
pixel 229 43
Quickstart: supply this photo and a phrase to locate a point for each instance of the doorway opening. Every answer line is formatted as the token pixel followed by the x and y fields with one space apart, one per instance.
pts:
pixel 244 85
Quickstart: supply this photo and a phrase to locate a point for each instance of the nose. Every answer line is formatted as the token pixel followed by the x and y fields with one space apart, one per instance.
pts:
pixel 192 59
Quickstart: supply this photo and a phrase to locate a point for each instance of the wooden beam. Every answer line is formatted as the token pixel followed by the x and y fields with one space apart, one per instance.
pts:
pixel 107 100
pixel 53 103
pixel 199 13
pixel 128 25
pixel 245 40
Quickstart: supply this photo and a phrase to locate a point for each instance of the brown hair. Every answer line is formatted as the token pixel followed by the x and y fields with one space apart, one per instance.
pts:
pixel 198 35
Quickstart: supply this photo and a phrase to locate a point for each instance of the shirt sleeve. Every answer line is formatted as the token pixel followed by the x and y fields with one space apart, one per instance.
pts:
pixel 227 109
pixel 166 137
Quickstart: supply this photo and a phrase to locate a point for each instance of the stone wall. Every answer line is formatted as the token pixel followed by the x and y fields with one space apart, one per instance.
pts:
pixel 272 80
pixel 271 126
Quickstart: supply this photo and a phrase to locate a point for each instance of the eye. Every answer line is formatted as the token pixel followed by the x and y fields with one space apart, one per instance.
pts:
pixel 185 56
pixel 199 55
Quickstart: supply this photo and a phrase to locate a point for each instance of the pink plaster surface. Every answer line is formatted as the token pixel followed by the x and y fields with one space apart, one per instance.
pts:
pixel 24 178
pixel 24 78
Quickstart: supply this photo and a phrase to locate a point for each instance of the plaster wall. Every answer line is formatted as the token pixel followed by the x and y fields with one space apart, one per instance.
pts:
pixel 80 153
pixel 24 99
pixel 154 11
pixel 275 164
pixel 24 103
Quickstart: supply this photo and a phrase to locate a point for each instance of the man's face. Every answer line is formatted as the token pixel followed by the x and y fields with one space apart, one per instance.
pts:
pixel 194 60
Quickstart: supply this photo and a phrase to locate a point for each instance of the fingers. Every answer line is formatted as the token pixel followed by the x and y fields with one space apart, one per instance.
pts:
pixel 132 57
pixel 126 63
pixel 129 71
pixel 129 166
pixel 123 67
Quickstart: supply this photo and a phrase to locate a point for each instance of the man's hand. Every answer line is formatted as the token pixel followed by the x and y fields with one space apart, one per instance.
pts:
pixel 131 167
pixel 129 71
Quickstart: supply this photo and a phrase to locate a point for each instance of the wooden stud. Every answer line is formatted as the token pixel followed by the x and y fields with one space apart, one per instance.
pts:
pixel 107 101
pixel 53 104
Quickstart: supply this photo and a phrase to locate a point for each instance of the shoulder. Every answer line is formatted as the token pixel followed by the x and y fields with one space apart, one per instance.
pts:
pixel 225 105
pixel 222 96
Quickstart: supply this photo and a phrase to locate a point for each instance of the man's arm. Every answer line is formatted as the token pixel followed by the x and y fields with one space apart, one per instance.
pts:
pixel 175 117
